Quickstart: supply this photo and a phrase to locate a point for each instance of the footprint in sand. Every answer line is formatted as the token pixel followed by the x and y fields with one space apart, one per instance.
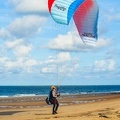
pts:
pixel 102 115
pixel 118 114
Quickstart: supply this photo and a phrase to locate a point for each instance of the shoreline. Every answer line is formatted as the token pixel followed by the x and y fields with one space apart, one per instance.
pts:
pixel 64 94
pixel 39 100
pixel 72 107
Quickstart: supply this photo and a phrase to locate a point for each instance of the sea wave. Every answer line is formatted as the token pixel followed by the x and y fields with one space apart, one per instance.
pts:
pixel 23 95
pixel 23 91
pixel 4 96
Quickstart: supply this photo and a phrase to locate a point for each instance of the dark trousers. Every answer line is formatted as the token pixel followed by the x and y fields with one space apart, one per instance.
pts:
pixel 55 103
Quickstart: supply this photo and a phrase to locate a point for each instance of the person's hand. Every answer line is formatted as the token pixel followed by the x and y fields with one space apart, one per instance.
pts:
pixel 58 94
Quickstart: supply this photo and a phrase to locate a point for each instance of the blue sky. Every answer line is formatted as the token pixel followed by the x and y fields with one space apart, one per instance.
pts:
pixel 37 51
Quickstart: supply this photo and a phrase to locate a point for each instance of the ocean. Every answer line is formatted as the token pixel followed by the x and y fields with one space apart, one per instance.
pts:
pixel 19 91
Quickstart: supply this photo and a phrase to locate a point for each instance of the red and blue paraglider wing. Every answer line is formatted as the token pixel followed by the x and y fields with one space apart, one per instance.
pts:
pixel 63 10
pixel 86 19
pixel 84 13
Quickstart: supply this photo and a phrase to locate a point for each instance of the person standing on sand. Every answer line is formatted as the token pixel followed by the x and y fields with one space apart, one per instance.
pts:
pixel 53 99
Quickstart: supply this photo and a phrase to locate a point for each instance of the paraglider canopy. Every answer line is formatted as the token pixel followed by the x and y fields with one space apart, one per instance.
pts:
pixel 84 13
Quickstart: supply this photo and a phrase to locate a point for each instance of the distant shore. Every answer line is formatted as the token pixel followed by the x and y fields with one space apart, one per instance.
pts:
pixel 72 107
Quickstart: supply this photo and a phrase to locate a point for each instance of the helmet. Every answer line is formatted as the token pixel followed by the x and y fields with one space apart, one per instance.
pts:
pixel 53 87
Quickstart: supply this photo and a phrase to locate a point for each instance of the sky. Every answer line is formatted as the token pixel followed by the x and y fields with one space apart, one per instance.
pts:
pixel 34 50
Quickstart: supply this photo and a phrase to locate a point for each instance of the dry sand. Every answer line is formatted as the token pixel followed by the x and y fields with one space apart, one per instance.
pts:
pixel 77 107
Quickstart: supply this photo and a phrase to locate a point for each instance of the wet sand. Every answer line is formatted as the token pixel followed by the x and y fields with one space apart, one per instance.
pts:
pixel 72 107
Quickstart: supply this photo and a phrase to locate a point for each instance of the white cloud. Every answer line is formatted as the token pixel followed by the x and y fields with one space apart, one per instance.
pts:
pixel 19 47
pixel 111 65
pixel 31 62
pixel 69 42
pixel 104 65
pixel 17 58
pixel 8 65
pixel 22 50
pixel 48 69
pixel 30 6
pixel 60 65
pixel 26 26
pixel 103 43
pixel 18 65
pixel 60 57
pixel 63 57
pixel 3 59
pixel 20 60
pixel 13 44
pixel 72 42
pixel 5 34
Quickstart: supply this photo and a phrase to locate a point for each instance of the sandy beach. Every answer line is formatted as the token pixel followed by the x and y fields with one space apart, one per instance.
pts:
pixel 72 107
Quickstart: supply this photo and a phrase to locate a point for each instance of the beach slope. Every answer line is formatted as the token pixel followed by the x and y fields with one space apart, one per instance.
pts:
pixel 98 108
